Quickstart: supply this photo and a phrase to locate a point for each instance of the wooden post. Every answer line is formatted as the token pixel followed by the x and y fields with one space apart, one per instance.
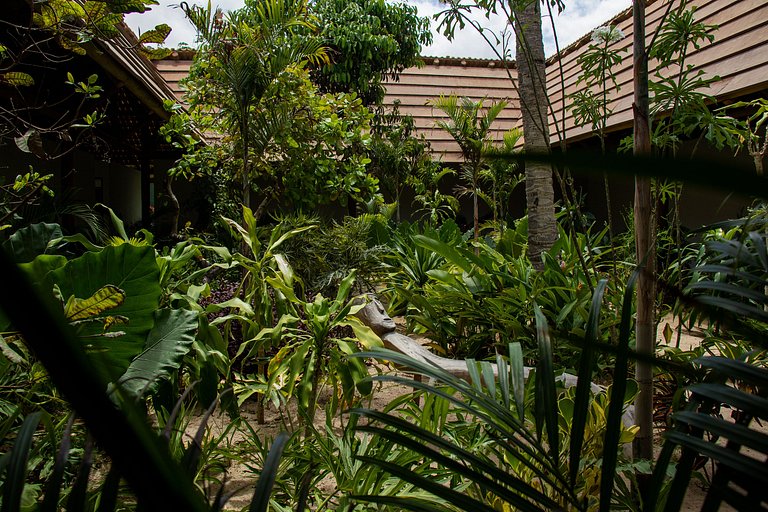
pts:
pixel 646 255
pixel 146 172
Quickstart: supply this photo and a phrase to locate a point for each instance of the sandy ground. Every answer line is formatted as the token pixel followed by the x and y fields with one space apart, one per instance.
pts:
pixel 241 479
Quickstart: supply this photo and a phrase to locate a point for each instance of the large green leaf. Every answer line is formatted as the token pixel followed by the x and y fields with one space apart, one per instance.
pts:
pixel 167 344
pixel 28 242
pixel 36 270
pixel 133 270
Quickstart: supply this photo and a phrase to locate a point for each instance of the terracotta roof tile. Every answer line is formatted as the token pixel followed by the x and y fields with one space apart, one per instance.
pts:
pixel 738 56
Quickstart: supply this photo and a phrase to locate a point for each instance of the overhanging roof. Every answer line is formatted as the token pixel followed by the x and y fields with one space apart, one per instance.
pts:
pixel 120 58
pixel 738 55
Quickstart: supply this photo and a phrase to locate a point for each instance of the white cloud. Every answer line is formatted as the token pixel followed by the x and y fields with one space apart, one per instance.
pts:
pixel 578 19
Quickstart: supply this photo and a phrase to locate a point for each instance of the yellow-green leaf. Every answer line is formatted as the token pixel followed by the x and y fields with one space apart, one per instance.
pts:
pixel 114 320
pixel 364 334
pixel 106 298
pixel 17 79
pixel 53 12
pixel 277 360
pixel 155 53
pixel 157 35
pixel 72 46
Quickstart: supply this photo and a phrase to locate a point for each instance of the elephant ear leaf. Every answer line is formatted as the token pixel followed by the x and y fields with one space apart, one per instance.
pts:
pixel 28 242
pixel 132 269
pixel 106 298
pixel 37 269
pixel 167 344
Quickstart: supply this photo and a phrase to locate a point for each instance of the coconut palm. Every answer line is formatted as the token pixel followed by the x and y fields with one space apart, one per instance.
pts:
pixel 531 72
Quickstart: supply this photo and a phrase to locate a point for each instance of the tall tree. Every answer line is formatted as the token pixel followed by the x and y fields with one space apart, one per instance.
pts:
pixel 532 79
pixel 369 41
pixel 646 255
pixel 245 52
pixel 524 19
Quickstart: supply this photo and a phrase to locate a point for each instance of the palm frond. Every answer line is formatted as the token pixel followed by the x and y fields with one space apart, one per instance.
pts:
pixel 700 421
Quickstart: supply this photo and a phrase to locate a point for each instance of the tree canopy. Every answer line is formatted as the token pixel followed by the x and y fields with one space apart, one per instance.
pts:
pixel 368 41
pixel 286 140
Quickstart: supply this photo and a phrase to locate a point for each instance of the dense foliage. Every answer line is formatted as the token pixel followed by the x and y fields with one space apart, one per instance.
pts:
pixel 370 41
pixel 130 364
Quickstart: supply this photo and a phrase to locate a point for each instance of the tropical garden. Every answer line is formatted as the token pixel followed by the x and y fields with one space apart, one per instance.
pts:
pixel 228 365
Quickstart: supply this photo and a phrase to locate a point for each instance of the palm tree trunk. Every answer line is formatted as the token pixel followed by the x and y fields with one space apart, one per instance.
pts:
pixel 539 191
pixel 646 255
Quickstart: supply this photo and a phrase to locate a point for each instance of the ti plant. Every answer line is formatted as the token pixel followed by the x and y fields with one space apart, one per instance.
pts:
pixel 255 304
pixel 314 347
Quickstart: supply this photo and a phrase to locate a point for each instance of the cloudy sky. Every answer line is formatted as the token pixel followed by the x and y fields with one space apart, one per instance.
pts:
pixel 579 17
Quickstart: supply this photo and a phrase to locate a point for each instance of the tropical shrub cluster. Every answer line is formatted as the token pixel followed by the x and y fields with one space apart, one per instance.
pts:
pixel 130 364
